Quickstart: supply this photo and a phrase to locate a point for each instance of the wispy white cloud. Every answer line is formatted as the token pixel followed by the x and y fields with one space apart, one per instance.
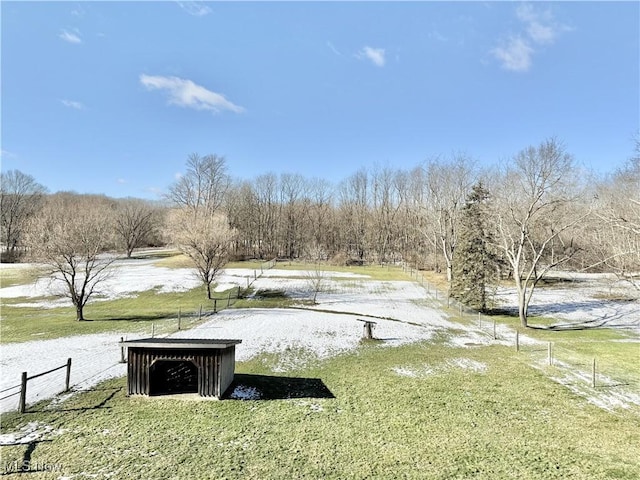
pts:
pixel 333 49
pixel 185 93
pixel 515 54
pixel 121 181
pixel 7 154
pixel 375 55
pixel 197 9
pixel 72 104
pixel 540 26
pixel 78 11
pixel 436 35
pixel 540 29
pixel 71 37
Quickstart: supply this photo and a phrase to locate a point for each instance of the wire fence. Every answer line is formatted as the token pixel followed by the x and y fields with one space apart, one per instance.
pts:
pixel 583 362
pixel 33 388
pixel 20 390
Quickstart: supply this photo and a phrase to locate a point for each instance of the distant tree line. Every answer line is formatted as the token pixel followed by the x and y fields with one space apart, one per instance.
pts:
pixel 516 220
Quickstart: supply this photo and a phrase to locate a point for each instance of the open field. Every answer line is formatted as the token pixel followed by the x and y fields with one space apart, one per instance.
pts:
pixel 424 410
pixel 435 396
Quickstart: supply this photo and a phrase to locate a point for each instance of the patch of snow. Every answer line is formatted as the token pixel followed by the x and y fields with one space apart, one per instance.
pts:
pixel 607 395
pixel 413 372
pixel 31 432
pixel 245 393
pixel 126 277
pixel 582 303
pixel 314 407
pixel 425 370
pixel 468 364
pixel 94 358
pixel 403 312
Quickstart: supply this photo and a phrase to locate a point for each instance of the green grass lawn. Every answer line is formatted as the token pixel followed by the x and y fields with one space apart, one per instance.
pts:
pixel 131 314
pixel 11 275
pixel 349 417
pixel 136 313
pixel 617 351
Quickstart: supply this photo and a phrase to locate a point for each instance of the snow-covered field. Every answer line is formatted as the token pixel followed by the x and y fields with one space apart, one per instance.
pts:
pixel 580 302
pixel 401 310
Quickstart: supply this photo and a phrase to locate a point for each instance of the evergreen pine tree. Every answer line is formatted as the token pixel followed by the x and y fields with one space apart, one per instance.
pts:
pixel 474 266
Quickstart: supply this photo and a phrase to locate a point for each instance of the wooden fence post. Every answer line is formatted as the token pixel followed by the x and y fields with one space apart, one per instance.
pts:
pixel 495 337
pixel 215 305
pixel 153 329
pixel 68 379
pixel 122 359
pixel 23 393
pixel 200 313
pixel 517 340
pixel 229 299
pixel 549 357
pixel 593 374
pixel 179 318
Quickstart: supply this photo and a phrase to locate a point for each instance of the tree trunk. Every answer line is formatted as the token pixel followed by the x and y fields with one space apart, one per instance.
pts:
pixel 449 271
pixel 522 306
pixel 80 313
pixel 522 295
pixel 209 290
pixel 522 313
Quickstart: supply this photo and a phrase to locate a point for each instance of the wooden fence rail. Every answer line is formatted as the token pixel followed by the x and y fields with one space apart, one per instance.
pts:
pixel 22 404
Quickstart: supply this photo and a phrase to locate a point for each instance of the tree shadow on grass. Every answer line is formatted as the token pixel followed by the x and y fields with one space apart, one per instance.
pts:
pixel 139 318
pixel 101 405
pixel 280 388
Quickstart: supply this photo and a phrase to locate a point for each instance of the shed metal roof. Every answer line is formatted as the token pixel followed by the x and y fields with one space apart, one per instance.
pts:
pixel 183 343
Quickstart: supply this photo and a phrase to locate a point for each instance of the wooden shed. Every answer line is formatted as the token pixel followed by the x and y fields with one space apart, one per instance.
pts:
pixel 162 366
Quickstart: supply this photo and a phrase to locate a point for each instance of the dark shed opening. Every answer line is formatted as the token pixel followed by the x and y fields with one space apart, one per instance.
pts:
pixel 167 377
pixel 161 366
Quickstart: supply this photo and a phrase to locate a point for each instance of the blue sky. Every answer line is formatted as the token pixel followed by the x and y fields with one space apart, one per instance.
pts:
pixel 111 97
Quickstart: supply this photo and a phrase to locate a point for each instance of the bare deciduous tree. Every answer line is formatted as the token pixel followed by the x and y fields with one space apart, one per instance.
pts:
pixel 293 189
pixel 316 277
pixel 536 207
pixel 197 226
pixel 134 220
pixel 69 235
pixel 20 198
pixel 204 185
pixel 355 212
pixel 617 235
pixel 448 184
pixel 205 238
